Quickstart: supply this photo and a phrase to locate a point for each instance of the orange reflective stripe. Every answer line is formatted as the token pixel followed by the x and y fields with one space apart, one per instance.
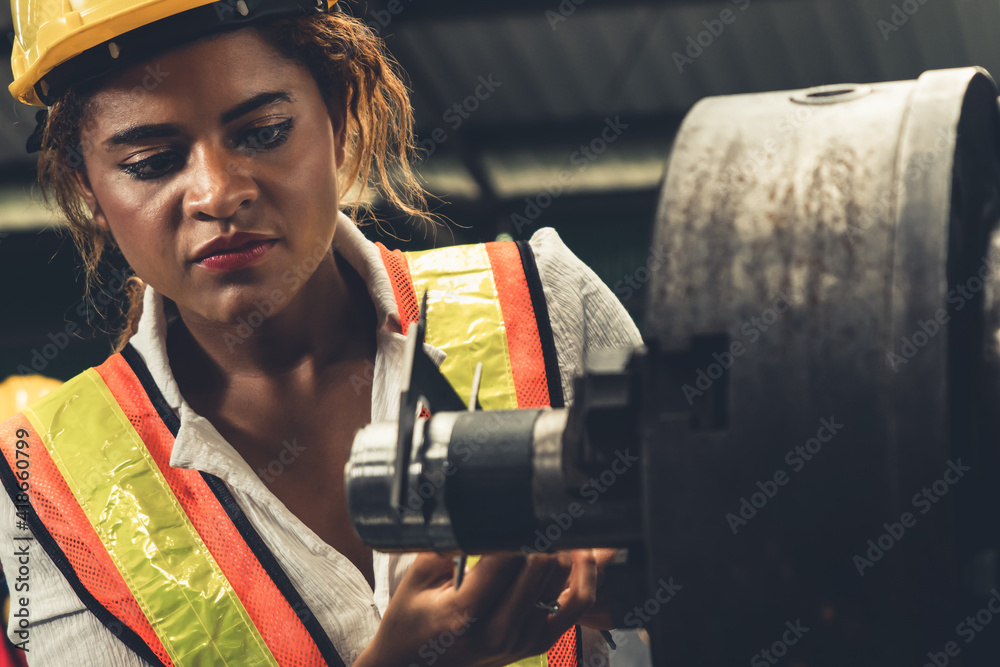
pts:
pixel 523 340
pixel 275 620
pixel 70 530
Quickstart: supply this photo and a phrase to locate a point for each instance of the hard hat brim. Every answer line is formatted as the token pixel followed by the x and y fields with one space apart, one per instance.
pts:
pixel 107 43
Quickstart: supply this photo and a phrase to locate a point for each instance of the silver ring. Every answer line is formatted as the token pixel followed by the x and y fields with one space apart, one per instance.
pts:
pixel 551 607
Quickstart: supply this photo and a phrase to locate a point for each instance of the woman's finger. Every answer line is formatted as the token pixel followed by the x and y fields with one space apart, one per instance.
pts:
pixel 517 622
pixel 486 583
pixel 429 570
pixel 578 597
pixel 550 593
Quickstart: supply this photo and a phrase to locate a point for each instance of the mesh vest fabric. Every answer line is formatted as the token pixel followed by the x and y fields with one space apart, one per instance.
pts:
pixel 519 325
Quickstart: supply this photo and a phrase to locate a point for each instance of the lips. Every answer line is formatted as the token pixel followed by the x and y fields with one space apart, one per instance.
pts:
pixel 234 252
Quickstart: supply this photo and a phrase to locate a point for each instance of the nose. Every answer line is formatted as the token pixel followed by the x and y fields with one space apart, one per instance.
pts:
pixel 220 185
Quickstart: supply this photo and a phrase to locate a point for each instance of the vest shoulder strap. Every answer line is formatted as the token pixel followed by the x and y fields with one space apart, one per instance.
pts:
pixel 485 304
pixel 163 556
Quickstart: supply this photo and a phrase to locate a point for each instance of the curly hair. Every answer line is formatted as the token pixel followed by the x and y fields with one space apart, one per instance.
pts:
pixel 350 65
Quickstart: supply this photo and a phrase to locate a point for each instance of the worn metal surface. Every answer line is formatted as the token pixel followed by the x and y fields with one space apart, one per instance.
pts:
pixel 810 238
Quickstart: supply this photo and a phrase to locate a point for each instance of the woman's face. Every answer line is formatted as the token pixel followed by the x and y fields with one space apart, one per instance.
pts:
pixel 215 169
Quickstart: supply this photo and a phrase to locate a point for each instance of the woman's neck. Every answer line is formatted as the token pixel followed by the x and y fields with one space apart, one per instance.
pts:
pixel 331 319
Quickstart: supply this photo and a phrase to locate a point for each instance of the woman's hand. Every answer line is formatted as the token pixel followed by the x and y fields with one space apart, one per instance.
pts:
pixel 599 616
pixel 492 620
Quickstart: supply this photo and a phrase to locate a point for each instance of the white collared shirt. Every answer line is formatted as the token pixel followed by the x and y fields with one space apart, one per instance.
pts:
pixel 63 632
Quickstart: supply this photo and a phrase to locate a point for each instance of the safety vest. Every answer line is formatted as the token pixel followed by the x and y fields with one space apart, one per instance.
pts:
pixel 164 556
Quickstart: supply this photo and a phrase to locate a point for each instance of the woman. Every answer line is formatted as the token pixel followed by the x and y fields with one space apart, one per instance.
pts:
pixel 213 147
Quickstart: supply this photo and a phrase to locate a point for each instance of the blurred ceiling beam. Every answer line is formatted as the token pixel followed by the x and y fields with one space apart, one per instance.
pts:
pixel 440 10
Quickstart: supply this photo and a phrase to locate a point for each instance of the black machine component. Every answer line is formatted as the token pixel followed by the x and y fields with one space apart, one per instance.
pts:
pixel 478 481
pixel 816 409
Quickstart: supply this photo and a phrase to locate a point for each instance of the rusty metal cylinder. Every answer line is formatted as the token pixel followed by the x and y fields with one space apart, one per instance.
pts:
pixel 819 438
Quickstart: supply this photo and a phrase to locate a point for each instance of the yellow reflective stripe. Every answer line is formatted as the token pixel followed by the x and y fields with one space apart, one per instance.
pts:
pixel 176 581
pixel 464 320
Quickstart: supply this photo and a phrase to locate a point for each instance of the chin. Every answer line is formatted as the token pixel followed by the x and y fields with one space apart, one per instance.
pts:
pixel 252 309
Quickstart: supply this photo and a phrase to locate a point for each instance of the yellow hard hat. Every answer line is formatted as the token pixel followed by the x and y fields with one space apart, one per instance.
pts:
pixel 19 391
pixel 59 42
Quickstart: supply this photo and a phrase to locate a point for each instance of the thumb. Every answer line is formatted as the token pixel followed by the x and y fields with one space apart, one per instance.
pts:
pixel 430 569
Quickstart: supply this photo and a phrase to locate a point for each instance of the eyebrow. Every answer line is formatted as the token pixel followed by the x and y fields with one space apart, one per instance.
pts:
pixel 257 101
pixel 134 135
pixel 139 133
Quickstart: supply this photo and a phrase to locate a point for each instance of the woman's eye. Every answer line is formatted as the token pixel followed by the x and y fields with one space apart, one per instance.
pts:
pixel 267 137
pixel 152 167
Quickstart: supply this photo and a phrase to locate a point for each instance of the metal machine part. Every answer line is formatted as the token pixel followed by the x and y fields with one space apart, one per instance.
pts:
pixel 818 366
pixel 817 406
pixel 479 481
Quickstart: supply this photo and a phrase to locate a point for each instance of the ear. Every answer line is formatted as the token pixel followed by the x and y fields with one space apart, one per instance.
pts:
pixel 90 199
pixel 338 118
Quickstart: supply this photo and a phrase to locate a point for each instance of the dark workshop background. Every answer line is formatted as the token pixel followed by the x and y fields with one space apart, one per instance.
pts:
pixel 534 81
